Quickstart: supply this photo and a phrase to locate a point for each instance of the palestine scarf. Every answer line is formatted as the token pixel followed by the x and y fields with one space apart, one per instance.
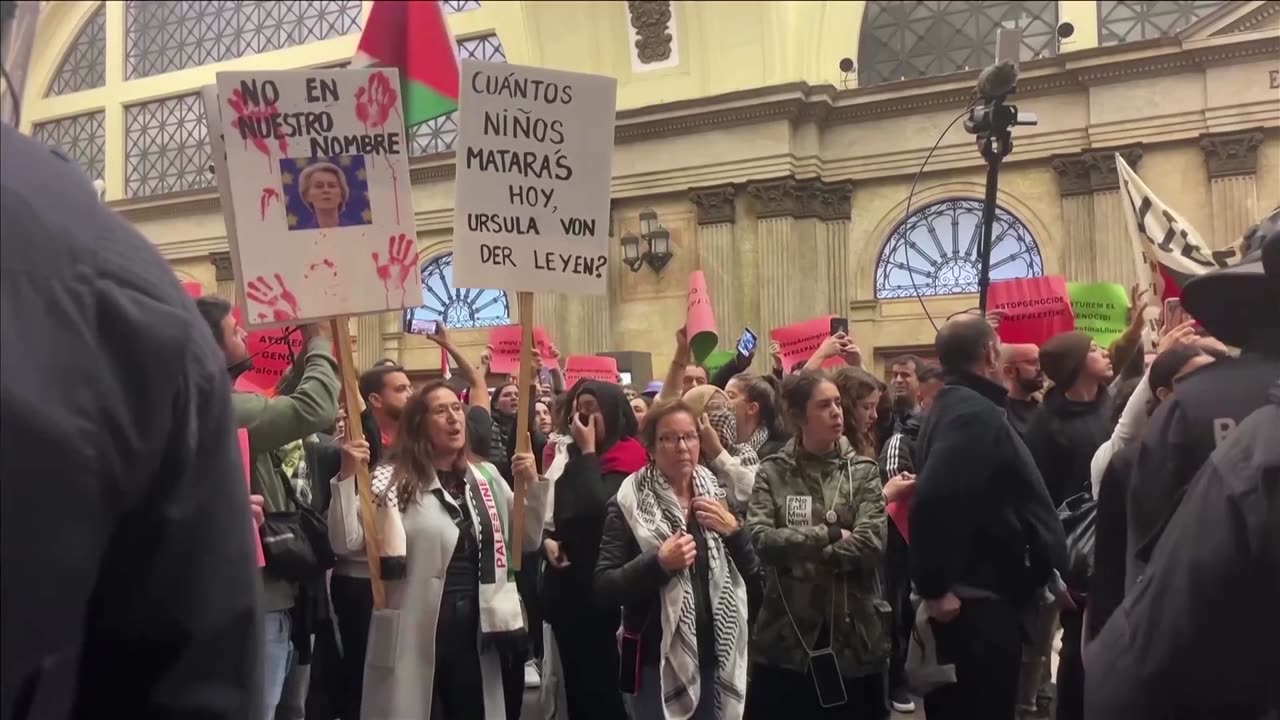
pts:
pixel 654 514
pixel 500 613
pixel 726 427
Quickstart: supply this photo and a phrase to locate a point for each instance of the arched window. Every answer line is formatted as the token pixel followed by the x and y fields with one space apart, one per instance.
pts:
pixel 439 135
pixel 905 40
pixel 1127 20
pixel 937 250
pixel 80 137
pixel 162 37
pixel 166 145
pixel 84 66
pixel 459 307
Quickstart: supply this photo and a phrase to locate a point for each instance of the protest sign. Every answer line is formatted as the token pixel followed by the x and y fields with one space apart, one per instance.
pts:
pixel 242 437
pixel 1100 309
pixel 1035 309
pixel 798 342
pixel 313 168
pixel 192 289
pixel 272 352
pixel 590 367
pixel 700 318
pixel 534 153
pixel 505 340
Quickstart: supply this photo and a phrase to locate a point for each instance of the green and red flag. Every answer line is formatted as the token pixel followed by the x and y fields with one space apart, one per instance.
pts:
pixel 412 36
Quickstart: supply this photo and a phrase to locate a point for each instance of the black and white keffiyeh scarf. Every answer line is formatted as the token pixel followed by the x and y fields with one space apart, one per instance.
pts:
pixel 726 427
pixel 654 514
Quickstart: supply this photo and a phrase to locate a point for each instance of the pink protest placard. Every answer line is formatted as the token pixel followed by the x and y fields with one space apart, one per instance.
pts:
pixel 505 340
pixel 272 352
pixel 590 367
pixel 1035 309
pixel 798 342
pixel 898 511
pixel 700 318
pixel 193 289
pixel 243 436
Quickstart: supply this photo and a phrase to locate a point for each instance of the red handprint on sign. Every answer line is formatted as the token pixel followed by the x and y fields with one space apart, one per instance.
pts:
pixel 268 194
pixel 400 264
pixel 375 102
pixel 259 120
pixel 264 293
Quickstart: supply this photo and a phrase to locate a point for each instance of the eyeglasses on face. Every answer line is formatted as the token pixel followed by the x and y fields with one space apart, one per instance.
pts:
pixel 674 440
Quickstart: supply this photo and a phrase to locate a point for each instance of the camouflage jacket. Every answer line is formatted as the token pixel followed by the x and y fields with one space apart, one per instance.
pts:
pixel 822 582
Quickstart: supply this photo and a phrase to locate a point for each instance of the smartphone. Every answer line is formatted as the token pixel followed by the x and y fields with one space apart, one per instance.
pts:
pixel 827 679
pixel 747 343
pixel 418 326
pixel 839 325
pixel 1174 315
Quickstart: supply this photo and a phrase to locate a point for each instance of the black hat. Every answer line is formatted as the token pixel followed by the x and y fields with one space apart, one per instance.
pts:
pixel 1233 303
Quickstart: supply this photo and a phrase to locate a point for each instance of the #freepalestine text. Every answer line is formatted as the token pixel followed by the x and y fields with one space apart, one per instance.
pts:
pixel 553 166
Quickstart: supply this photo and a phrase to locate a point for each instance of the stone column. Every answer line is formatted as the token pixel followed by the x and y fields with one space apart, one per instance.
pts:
pixel 224 276
pixel 717 256
pixel 835 213
pixel 1077 217
pixel 1113 247
pixel 1096 246
pixel 1232 162
pixel 546 314
pixel 595 333
pixel 369 346
pixel 774 203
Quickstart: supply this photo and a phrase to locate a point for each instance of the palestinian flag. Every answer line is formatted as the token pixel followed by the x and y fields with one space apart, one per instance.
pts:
pixel 411 36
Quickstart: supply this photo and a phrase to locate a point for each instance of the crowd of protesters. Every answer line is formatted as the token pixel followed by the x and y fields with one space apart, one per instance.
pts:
pixel 809 542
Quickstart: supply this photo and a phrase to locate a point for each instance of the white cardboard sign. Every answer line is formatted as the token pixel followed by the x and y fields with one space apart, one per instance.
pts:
pixel 313 169
pixel 534 159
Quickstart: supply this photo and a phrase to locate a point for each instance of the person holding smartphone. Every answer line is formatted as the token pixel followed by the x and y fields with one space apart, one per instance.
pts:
pixel 669 535
pixel 817 521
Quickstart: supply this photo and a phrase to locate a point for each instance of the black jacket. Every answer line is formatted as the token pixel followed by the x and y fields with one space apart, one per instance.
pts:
pixel 1063 437
pixel 1020 413
pixel 1196 638
pixel 581 499
pixel 129 586
pixel 631 579
pixel 980 515
pixel 1181 435
pixel 1110 550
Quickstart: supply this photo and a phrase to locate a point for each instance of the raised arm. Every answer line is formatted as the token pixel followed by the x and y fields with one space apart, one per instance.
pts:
pixel 311 407
pixel 345 530
pixel 673 385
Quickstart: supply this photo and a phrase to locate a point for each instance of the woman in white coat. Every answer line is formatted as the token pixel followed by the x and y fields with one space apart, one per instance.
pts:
pixel 451 595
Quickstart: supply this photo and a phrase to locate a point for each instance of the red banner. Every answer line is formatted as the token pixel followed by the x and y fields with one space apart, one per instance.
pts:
pixel 271 355
pixel 505 340
pixel 242 435
pixel 1035 309
pixel 798 342
pixel 590 367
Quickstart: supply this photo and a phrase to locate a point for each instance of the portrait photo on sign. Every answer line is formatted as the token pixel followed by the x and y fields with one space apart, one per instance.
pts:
pixel 325 192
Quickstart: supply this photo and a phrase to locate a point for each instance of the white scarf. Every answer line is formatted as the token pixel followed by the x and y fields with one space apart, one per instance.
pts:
pixel 654 514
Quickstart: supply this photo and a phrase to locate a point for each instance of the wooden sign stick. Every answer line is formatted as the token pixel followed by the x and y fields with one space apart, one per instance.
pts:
pixel 364 488
pixel 523 443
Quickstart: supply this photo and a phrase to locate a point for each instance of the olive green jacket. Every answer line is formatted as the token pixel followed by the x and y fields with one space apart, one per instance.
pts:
pixel 822 582
pixel 275 422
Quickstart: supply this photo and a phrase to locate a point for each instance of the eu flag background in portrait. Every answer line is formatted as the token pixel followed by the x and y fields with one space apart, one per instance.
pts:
pixel 356 211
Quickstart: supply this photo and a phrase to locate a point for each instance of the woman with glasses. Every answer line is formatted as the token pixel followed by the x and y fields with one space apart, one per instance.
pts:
pixel 817 522
pixel 604 452
pixel 681 564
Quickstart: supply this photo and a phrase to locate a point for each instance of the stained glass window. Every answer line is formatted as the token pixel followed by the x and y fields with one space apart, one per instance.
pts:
pixel 81 138
pixel 937 250
pixel 438 135
pixel 168 35
pixel 1123 21
pixel 84 66
pixel 457 6
pixel 458 307
pixel 166 146
pixel 905 40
